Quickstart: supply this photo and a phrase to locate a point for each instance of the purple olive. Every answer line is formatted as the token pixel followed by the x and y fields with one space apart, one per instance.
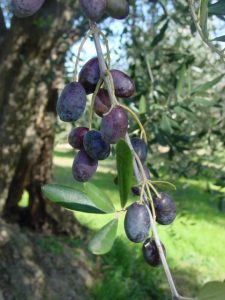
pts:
pixel 95 146
pixel 93 9
pixel 26 8
pixel 151 253
pixel 72 102
pixel 137 223
pixel 76 136
pixel 114 125
pixel 84 167
pixel 165 209
pixel 89 75
pixel 140 148
pixel 124 85
pixel 102 102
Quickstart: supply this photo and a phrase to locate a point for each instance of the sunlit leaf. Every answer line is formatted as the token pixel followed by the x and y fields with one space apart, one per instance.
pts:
pixel 124 159
pixel 180 82
pixel 99 197
pixel 104 239
pixel 71 199
pixel 205 86
pixel 213 290
pixel 142 105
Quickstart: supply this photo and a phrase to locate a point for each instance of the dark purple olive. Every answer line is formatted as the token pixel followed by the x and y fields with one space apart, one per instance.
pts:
pixel 140 148
pixel 117 9
pixel 102 102
pixel 72 102
pixel 151 253
pixel 114 125
pixel 93 9
pixel 124 85
pixel 84 167
pixel 76 136
pixel 137 223
pixel 165 209
pixel 95 146
pixel 25 8
pixel 136 190
pixel 89 75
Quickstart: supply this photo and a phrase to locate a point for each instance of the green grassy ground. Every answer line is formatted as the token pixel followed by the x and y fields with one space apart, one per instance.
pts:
pixel 194 242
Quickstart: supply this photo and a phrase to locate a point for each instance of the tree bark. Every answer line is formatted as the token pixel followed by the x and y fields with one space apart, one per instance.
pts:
pixel 32 61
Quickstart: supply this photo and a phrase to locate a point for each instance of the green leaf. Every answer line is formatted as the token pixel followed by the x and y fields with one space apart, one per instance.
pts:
pixel 205 86
pixel 204 16
pixel 71 199
pixel 213 290
pixel 180 81
pixel 99 198
pixel 160 35
pixel 217 8
pixel 124 159
pixel 142 105
pixel 164 185
pixel 166 124
pixel 104 239
pixel 206 103
pixel 220 38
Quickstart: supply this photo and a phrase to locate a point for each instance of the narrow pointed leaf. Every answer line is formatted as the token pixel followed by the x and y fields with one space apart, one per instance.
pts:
pixel 220 38
pixel 166 125
pixel 213 290
pixel 204 16
pixel 124 159
pixel 164 186
pixel 71 199
pixel 99 198
pixel 104 239
pixel 142 105
pixel 217 8
pixel 205 86
pixel 160 35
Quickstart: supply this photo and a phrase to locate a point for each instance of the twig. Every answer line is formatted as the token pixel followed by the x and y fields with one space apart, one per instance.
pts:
pixel 104 74
pixel 203 37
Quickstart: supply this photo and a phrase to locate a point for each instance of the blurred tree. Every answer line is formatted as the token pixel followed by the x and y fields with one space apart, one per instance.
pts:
pixel 32 58
pixel 179 81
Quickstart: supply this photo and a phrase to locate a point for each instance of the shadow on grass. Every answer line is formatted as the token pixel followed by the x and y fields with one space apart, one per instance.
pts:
pixel 126 276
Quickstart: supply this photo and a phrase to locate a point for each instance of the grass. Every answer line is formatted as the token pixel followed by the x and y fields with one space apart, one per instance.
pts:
pixel 194 242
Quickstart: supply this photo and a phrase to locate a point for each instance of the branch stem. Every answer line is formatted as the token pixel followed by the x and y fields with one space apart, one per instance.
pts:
pixel 138 173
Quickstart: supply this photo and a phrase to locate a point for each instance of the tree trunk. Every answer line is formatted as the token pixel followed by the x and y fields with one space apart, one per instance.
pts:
pixel 32 56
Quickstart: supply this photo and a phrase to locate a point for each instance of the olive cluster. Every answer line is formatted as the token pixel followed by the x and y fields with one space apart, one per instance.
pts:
pixel 95 145
pixel 95 9
pixel 137 225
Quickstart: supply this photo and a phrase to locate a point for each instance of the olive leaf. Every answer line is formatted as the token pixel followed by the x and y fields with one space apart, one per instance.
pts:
pixel 99 197
pixel 104 239
pixel 212 290
pixel 204 16
pixel 164 185
pixel 124 160
pixel 217 8
pixel 72 199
